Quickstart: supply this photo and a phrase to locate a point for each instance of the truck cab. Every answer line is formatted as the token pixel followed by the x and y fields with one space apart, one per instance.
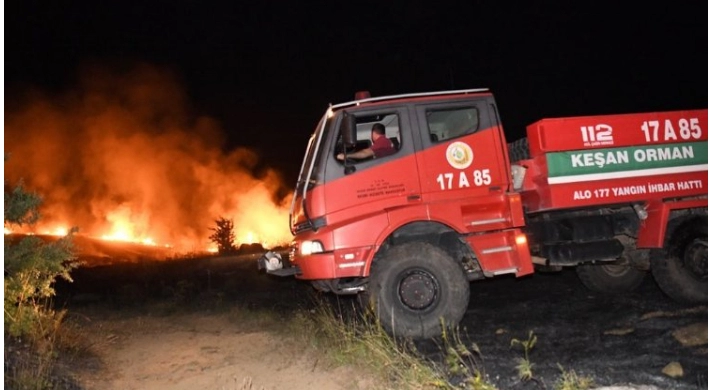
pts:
pixel 447 187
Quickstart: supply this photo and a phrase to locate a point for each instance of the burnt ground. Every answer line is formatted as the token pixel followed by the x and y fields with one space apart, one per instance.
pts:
pixel 613 339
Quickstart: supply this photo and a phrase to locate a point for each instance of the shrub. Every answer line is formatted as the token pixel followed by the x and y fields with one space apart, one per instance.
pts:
pixel 31 265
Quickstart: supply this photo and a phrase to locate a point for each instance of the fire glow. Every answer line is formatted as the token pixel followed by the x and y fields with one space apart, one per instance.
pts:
pixel 123 158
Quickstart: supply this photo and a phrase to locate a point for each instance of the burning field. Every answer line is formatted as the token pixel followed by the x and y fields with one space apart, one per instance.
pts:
pixel 123 157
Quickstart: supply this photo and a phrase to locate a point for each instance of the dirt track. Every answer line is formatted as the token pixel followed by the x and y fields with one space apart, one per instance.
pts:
pixel 615 340
pixel 200 351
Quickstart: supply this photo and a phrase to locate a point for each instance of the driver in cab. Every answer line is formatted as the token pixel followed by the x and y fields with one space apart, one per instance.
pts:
pixel 381 146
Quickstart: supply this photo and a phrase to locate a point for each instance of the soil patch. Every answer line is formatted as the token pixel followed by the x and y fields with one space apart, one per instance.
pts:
pixel 200 351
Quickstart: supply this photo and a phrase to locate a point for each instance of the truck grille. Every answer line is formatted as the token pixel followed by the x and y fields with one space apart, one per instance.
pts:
pixel 317 223
pixel 301 227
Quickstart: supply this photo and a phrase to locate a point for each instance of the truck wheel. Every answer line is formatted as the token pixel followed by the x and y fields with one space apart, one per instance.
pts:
pixel 681 267
pixel 610 278
pixel 416 286
pixel 519 150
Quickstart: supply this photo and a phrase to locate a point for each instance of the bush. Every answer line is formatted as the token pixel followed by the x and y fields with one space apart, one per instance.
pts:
pixel 31 265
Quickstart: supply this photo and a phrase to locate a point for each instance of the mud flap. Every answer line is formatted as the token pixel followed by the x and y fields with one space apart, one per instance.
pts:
pixel 502 253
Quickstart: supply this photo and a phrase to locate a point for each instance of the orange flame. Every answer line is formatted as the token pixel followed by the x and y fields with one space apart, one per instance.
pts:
pixel 56 231
pixel 124 227
pixel 122 157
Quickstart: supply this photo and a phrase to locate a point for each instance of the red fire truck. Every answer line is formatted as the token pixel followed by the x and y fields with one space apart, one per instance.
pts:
pixel 615 196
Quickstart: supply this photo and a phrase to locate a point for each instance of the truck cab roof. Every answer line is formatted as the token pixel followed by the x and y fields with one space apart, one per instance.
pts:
pixel 364 98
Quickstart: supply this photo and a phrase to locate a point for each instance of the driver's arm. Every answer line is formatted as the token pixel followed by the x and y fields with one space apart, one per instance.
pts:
pixel 359 155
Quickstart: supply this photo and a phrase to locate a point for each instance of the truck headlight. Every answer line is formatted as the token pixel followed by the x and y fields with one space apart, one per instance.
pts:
pixel 311 247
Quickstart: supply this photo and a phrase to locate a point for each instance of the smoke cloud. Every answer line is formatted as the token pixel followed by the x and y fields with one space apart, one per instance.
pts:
pixel 123 155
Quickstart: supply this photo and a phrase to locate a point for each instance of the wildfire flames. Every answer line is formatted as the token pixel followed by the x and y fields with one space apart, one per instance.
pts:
pixel 122 157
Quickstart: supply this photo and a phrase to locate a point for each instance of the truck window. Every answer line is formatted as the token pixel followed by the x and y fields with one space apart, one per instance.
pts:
pixel 445 124
pixel 364 123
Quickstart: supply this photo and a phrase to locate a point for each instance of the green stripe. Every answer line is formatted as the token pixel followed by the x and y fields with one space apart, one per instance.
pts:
pixel 582 162
pixel 627 174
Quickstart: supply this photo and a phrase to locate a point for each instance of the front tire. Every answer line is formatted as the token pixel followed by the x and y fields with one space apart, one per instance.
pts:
pixel 415 287
pixel 610 278
pixel 681 267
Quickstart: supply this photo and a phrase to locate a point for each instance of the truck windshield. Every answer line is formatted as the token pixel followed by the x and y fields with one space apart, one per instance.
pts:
pixel 309 173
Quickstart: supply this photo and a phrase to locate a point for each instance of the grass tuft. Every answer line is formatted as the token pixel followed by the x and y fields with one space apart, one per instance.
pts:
pixel 463 361
pixel 31 359
pixel 525 366
pixel 569 380
pixel 348 337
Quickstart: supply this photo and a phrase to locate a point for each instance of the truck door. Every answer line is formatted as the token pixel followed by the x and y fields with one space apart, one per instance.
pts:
pixel 463 156
pixel 367 189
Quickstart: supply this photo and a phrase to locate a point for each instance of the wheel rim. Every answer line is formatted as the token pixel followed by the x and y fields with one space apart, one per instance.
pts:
pixel 615 270
pixel 696 259
pixel 418 289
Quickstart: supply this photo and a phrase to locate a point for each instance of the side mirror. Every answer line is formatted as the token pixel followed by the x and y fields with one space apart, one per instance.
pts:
pixel 348 129
pixel 348 133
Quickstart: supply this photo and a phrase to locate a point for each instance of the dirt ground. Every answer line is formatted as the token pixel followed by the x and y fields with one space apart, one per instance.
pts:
pixel 139 343
pixel 202 351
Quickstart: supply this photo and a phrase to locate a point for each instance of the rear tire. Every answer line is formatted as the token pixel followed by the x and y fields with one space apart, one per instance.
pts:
pixel 416 286
pixel 681 267
pixel 610 278
pixel 519 150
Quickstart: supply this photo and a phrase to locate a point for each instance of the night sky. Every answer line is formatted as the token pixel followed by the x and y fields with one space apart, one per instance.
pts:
pixel 267 70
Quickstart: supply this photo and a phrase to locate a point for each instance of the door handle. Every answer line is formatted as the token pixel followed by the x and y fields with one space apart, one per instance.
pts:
pixel 414 197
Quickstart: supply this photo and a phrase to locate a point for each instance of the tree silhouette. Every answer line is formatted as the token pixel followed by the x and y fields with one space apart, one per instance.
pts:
pixel 223 236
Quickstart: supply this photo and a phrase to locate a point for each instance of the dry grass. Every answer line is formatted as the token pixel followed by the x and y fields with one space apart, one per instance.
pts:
pixel 366 346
